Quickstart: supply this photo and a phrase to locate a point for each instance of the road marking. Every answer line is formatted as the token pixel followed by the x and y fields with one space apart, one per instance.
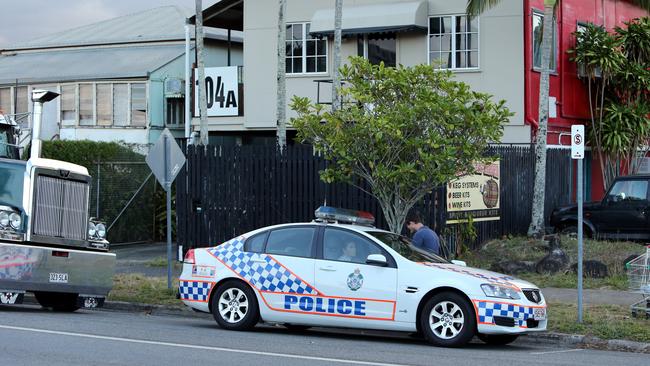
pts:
pixel 561 351
pixel 192 346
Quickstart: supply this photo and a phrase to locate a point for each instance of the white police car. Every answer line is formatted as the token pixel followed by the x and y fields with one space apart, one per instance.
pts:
pixel 326 273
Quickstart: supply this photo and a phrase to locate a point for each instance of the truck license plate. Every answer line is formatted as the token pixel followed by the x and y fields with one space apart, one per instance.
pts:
pixel 59 277
pixel 539 314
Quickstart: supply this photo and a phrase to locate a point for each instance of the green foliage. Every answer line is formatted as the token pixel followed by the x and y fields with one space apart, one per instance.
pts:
pixel 617 67
pixel 87 152
pixel 403 130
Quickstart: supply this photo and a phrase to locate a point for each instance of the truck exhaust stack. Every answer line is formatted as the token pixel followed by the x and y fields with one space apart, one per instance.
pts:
pixel 39 97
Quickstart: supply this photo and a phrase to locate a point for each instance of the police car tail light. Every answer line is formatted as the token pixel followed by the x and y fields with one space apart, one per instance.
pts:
pixel 189 257
pixel 344 215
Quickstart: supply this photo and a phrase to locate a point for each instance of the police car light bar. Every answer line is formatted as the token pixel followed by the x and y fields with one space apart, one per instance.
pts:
pixel 344 215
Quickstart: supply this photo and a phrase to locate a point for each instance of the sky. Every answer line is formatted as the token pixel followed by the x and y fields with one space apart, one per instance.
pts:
pixel 22 20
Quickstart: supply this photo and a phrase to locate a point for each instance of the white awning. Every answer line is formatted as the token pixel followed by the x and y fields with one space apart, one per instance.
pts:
pixel 379 18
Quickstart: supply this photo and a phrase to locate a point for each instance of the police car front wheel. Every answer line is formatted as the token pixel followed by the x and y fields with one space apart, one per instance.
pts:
pixel 447 320
pixel 234 306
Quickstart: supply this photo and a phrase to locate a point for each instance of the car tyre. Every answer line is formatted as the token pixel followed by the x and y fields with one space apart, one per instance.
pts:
pixel 234 306
pixel 58 301
pixel 498 339
pixel 448 320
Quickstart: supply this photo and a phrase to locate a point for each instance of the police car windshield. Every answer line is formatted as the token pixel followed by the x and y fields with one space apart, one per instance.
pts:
pixel 405 248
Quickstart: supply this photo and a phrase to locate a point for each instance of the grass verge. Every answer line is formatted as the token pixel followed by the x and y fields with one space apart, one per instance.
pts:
pixel 602 321
pixel 162 262
pixel 142 289
pixel 612 254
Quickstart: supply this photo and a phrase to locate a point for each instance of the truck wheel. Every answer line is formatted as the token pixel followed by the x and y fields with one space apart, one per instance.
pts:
pixel 234 306
pixel 498 339
pixel 448 320
pixel 58 301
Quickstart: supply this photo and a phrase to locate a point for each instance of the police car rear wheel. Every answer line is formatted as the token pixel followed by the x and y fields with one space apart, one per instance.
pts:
pixel 447 320
pixel 234 306
pixel 498 339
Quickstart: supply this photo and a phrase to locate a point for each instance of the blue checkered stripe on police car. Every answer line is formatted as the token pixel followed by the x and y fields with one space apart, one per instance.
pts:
pixel 261 270
pixel 195 290
pixel 488 310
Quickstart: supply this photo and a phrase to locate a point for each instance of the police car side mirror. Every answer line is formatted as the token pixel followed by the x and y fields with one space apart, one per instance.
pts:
pixel 459 263
pixel 377 260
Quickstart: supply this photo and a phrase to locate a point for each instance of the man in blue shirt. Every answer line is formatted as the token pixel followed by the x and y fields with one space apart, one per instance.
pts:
pixel 423 236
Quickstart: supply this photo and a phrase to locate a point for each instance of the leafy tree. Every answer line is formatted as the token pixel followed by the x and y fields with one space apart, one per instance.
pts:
pixel 617 73
pixel 403 130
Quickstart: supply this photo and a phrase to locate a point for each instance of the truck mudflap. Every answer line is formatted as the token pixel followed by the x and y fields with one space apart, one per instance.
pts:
pixel 27 268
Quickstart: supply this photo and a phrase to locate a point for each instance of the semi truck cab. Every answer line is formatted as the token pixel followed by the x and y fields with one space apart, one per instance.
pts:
pixel 49 245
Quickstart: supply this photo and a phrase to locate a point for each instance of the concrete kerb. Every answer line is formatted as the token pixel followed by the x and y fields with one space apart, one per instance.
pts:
pixel 558 339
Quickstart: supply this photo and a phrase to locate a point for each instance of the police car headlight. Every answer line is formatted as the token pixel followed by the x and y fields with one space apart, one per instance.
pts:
pixel 92 229
pixel 101 230
pixel 4 219
pixel 502 292
pixel 15 221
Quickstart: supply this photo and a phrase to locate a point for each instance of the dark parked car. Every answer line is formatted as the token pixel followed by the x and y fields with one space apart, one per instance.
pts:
pixel 624 213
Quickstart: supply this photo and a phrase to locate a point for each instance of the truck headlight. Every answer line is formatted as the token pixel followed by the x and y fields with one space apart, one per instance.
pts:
pixel 4 219
pixel 15 221
pixel 502 292
pixel 101 230
pixel 92 229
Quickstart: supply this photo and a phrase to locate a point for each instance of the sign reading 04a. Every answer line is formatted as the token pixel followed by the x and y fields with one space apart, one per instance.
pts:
pixel 221 91
pixel 476 195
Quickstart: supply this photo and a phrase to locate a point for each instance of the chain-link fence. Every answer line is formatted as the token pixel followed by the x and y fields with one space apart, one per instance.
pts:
pixel 126 196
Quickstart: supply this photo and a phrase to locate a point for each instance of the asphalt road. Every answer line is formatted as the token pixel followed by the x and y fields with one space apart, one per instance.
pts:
pixel 30 335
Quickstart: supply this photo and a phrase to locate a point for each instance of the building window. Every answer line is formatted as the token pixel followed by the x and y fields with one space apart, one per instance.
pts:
pixel 138 104
pixel 120 104
pixel 378 48
pixel 175 111
pixel 538 31
pixel 104 105
pixel 22 100
pixel 5 100
pixel 305 54
pixel 86 105
pixel 454 42
pixel 68 105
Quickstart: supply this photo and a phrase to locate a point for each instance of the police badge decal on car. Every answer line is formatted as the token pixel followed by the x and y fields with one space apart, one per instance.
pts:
pixel 355 280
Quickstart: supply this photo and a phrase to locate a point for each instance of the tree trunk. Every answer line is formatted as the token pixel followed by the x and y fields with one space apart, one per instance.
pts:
pixel 336 85
pixel 536 228
pixel 203 103
pixel 281 104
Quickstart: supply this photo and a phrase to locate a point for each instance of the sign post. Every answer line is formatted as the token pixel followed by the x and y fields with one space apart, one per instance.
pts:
pixel 166 159
pixel 578 153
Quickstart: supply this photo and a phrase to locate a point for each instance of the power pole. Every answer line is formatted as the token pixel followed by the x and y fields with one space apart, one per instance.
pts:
pixel 203 104
pixel 336 85
pixel 281 104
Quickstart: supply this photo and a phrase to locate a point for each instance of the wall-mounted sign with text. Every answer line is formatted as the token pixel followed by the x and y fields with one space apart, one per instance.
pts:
pixel 221 91
pixel 476 195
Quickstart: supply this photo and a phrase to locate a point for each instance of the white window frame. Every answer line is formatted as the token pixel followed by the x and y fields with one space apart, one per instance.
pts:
pixel 304 53
pixel 555 45
pixel 94 101
pixel 453 42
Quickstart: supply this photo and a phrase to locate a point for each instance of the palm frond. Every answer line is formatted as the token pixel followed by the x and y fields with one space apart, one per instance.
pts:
pixel 476 7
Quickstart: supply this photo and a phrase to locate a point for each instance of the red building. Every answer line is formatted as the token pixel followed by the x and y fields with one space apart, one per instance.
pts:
pixel 569 93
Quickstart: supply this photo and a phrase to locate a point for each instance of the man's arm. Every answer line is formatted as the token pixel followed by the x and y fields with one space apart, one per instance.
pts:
pixel 418 239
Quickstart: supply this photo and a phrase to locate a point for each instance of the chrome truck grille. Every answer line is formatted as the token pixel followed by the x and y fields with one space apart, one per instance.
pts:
pixel 60 208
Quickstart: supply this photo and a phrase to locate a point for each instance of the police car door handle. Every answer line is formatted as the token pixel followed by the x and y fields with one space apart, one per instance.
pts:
pixel 328 269
pixel 258 261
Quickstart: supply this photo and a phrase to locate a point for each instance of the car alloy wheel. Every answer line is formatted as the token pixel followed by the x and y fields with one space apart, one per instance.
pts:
pixel 446 320
pixel 233 305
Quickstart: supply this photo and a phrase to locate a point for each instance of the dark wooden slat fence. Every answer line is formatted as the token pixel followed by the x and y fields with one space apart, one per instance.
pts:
pixel 223 192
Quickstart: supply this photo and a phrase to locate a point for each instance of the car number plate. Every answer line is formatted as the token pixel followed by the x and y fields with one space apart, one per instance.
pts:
pixel 59 277
pixel 539 314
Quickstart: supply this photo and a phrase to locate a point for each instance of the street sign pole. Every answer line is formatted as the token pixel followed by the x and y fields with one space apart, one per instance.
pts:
pixel 169 214
pixel 165 158
pixel 578 153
